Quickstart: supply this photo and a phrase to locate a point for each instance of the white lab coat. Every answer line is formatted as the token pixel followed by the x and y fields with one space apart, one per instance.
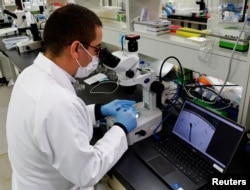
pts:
pixel 49 129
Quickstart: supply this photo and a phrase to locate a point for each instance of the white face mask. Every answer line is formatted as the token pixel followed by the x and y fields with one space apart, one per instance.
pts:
pixel 86 71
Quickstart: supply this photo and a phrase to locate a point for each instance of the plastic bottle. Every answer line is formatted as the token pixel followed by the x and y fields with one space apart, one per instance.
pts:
pixel 213 28
pixel 142 64
pixel 213 23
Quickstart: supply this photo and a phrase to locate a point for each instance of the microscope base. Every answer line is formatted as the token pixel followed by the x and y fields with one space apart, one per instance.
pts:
pixel 147 122
pixel 24 46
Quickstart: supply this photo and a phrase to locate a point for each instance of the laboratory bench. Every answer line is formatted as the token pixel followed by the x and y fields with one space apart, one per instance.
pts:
pixel 12 62
pixel 130 171
pixel 21 60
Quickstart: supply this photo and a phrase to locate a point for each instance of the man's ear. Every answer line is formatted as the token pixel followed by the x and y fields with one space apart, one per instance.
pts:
pixel 74 49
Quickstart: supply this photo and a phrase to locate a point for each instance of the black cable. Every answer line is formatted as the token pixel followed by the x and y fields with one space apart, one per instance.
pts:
pixel 174 99
pixel 171 108
pixel 182 75
pixel 228 85
pixel 176 95
pixel 206 87
pixel 179 87
pixel 173 102
pixel 156 136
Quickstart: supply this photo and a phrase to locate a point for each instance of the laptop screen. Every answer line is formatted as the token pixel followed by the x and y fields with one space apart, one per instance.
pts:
pixel 208 133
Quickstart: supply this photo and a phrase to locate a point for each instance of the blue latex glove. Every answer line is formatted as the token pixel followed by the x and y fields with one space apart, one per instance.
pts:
pixel 111 108
pixel 127 117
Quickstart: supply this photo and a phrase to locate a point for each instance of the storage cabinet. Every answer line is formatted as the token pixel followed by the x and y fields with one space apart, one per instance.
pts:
pixel 162 46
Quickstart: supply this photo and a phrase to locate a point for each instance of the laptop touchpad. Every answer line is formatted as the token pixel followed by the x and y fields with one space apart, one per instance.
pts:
pixel 161 166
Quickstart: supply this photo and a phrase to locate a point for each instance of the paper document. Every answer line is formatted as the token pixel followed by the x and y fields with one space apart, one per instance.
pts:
pixel 96 78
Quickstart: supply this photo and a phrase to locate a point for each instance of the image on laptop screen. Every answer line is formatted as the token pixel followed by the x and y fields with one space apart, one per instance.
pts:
pixel 208 133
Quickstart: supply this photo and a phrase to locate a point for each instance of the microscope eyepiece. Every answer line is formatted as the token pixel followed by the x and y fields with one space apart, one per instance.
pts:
pixel 108 58
pixel 132 42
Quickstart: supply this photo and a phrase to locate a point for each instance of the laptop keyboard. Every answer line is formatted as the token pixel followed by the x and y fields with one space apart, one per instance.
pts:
pixel 184 159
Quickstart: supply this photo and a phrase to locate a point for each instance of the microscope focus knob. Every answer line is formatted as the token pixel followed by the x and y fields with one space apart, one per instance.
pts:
pixel 141 133
pixel 130 74
pixel 27 48
pixel 157 87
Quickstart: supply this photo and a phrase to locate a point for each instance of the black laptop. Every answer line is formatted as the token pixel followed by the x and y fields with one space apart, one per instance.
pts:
pixel 201 143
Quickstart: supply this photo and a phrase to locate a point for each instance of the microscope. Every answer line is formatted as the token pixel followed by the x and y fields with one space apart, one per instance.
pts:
pixel 126 66
pixel 21 23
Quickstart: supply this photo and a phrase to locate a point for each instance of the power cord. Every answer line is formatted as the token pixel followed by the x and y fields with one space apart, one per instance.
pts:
pixel 180 86
pixel 174 99
pixel 104 82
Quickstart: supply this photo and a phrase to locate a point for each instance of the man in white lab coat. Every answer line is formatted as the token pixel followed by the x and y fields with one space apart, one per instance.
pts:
pixel 49 127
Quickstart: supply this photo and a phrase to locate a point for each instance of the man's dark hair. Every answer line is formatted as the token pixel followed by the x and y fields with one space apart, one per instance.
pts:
pixel 67 24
